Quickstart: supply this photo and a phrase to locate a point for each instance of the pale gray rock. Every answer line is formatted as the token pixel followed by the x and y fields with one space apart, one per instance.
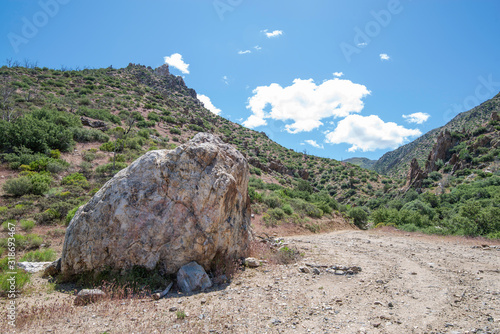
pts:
pixel 52 269
pixel 33 267
pixel 87 296
pixel 252 262
pixel 192 277
pixel 166 209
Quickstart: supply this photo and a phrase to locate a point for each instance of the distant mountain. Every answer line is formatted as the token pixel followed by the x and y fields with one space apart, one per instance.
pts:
pixel 361 162
pixel 396 163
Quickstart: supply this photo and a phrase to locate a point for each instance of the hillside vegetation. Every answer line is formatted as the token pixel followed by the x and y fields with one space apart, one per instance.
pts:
pixel 397 163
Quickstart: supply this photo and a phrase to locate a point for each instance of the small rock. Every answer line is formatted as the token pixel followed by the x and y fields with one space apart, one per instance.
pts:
pixel 391 305
pixel 316 271
pixel 173 309
pixel 52 269
pixel 87 296
pixel 276 322
pixel 33 267
pixel 305 270
pixel 377 303
pixel 252 262
pixel 339 272
pixel 192 277
pixel 376 325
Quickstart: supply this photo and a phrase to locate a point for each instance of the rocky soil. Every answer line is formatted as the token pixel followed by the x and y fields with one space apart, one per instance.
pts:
pixel 409 283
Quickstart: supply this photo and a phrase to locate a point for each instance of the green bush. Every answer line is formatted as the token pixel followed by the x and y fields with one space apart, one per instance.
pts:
pixel 359 216
pixel 8 224
pixel 29 241
pixel 22 278
pixel 103 115
pixel 32 183
pixel 287 209
pixel 71 214
pixel 43 255
pixel 108 168
pixel 84 135
pixel 40 131
pixel 276 213
pixel 76 179
pixel 27 225
pixel 175 131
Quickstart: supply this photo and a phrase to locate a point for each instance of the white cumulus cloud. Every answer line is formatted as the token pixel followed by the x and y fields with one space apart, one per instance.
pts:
pixel 313 143
pixel 384 56
pixel 208 104
pixel 272 34
pixel 338 74
pixel 257 47
pixel 418 117
pixel 369 133
pixel 305 103
pixel 176 61
pixel 244 52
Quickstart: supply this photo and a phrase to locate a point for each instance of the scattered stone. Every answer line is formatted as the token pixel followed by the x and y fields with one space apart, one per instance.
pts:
pixel 377 303
pixel 316 271
pixel 52 269
pixel 33 267
pixel 87 296
pixel 276 322
pixel 304 270
pixel 339 272
pixel 173 309
pixel 252 262
pixel 166 209
pixel 391 305
pixel 192 277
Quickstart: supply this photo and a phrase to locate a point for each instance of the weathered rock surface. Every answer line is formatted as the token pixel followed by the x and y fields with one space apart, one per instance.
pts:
pixel 166 209
pixel 252 262
pixel 440 151
pixel 52 269
pixel 192 277
pixel 415 176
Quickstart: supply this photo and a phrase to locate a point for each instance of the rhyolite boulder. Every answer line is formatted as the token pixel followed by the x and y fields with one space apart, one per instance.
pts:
pixel 168 208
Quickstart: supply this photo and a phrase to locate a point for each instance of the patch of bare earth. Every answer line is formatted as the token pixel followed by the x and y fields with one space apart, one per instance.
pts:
pixel 409 283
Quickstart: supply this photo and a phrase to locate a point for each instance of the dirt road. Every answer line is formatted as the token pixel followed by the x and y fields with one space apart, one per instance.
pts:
pixel 408 284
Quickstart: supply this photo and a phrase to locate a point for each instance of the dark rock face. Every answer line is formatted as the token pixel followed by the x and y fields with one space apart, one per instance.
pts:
pixel 166 209
pixel 440 150
pixel 415 176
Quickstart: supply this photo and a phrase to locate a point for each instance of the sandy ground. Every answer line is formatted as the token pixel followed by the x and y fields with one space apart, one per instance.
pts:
pixel 409 283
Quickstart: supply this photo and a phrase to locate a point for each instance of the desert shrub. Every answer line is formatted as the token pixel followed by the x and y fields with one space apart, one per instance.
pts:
pixel 409 227
pixel 71 214
pixel 27 225
pixel 145 124
pixel 276 213
pixel 153 116
pixel 32 183
pixel 287 209
pixel 195 127
pixel 175 131
pixel 272 201
pixel 76 179
pixel 108 168
pixel 359 216
pixel 40 131
pixel 22 278
pixel 435 176
pixel 47 217
pixel 8 224
pixel 101 114
pixel 84 135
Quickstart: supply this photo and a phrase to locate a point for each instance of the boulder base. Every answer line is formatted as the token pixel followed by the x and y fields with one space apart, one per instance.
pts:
pixel 166 209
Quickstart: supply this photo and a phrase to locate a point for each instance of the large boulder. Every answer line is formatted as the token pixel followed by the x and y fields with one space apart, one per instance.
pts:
pixel 166 209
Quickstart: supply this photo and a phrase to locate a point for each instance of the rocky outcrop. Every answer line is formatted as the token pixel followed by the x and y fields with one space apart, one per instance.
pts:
pixel 166 209
pixel 440 151
pixel 94 124
pixel 415 176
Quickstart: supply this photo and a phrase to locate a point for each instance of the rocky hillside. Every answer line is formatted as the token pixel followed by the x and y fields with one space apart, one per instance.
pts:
pixel 156 106
pixel 361 162
pixel 397 162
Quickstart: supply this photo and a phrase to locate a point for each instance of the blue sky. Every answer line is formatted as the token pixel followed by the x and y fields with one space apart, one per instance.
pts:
pixel 336 78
